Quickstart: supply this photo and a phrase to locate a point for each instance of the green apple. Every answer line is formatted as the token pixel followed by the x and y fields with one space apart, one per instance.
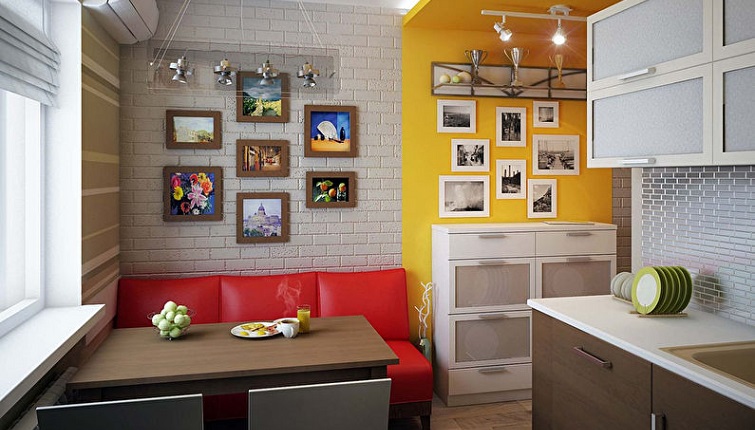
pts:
pixel 182 309
pixel 456 79
pixel 175 332
pixel 164 324
pixel 170 305
pixel 157 318
pixel 444 79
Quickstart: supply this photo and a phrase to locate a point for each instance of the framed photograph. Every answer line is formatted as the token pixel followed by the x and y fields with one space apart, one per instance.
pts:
pixel 262 217
pixel 193 129
pixel 193 193
pixel 545 114
pixel 259 102
pixel 511 126
pixel 470 155
pixel 464 196
pixel 511 177
pixel 541 198
pixel 261 158
pixel 330 131
pixel 331 190
pixel 457 116
pixel 555 154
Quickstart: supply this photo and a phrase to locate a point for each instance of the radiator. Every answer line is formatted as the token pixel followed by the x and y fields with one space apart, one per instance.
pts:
pixel 52 396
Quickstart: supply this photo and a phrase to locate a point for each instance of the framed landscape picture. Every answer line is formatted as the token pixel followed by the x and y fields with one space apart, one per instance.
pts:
pixel 511 126
pixel 541 198
pixel 330 131
pixel 262 217
pixel 464 196
pixel 545 114
pixel 193 193
pixel 331 190
pixel 267 158
pixel 193 129
pixel 511 179
pixel 457 116
pixel 258 102
pixel 470 155
pixel 555 154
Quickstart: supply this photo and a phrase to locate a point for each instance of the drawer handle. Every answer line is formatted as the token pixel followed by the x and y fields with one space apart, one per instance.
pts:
pixel 493 370
pixel 591 358
pixel 491 262
pixel 492 317
pixel 491 236
pixel 637 73
pixel 578 233
pixel 578 259
pixel 637 161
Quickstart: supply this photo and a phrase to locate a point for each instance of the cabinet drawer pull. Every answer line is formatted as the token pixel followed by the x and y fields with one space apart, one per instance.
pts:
pixel 637 73
pixel 637 161
pixel 591 358
pixel 491 236
pixel 578 233
pixel 491 262
pixel 578 259
pixel 493 370
pixel 492 317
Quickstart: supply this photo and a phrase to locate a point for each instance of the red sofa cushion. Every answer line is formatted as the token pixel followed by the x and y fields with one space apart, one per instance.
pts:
pixel 380 296
pixel 137 298
pixel 412 378
pixel 248 298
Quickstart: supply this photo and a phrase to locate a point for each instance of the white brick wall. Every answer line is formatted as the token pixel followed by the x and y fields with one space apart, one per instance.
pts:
pixel 367 237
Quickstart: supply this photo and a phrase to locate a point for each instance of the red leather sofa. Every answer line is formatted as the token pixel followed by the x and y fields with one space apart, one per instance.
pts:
pixel 379 295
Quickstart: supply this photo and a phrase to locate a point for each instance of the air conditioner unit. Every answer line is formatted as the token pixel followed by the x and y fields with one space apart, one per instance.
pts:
pixel 128 21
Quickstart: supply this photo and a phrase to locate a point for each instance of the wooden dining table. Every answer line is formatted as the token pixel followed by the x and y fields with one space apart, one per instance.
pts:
pixel 136 362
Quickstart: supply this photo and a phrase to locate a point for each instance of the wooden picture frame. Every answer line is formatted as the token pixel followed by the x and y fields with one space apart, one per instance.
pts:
pixel 261 158
pixel 331 190
pixel 511 126
pixel 542 198
pixel 193 193
pixel 261 103
pixel 464 196
pixel 262 217
pixel 193 129
pixel 555 154
pixel 545 114
pixel 330 131
pixel 470 155
pixel 457 116
pixel 510 179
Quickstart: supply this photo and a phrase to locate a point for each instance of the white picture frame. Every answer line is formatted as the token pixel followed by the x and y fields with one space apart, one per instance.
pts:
pixel 470 155
pixel 511 126
pixel 510 179
pixel 464 196
pixel 542 198
pixel 545 114
pixel 457 116
pixel 555 154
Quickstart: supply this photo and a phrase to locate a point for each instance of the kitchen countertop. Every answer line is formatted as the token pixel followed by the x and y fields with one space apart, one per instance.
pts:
pixel 610 320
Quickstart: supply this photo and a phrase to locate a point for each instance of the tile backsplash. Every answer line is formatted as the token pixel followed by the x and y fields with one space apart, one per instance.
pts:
pixel 703 218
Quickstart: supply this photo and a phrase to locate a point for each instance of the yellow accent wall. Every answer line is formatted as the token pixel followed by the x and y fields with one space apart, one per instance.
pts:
pixel 426 154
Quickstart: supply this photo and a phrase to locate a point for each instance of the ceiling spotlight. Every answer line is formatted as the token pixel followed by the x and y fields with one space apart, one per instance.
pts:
pixel 224 70
pixel 503 33
pixel 268 73
pixel 559 37
pixel 308 73
pixel 181 66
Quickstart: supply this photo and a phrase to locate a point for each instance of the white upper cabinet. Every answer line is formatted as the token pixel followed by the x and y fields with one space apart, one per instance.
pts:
pixel 638 39
pixel 733 28
pixel 733 105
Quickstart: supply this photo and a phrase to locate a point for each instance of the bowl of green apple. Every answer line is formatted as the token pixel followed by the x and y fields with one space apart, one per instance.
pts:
pixel 172 321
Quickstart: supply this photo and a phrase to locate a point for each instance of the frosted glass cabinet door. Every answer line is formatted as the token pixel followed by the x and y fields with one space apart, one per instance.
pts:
pixel 734 103
pixel 493 285
pixel 576 276
pixel 636 39
pixel 663 121
pixel 733 29
pixel 490 339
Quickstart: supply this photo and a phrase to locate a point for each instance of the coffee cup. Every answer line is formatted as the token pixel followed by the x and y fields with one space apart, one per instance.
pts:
pixel 289 327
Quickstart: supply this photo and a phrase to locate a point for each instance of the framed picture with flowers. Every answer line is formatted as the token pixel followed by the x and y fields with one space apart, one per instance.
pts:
pixel 193 193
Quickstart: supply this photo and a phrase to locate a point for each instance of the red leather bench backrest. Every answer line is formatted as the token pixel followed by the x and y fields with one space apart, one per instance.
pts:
pixel 137 298
pixel 265 298
pixel 380 296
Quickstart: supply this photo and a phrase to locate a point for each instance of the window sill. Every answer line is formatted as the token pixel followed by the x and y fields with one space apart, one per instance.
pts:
pixel 34 347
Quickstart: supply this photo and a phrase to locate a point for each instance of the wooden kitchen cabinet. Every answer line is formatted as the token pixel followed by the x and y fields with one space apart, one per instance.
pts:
pixel 582 382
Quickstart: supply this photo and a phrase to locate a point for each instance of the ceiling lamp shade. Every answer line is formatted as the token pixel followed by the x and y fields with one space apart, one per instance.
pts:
pixel 268 72
pixel 181 66
pixel 224 72
pixel 308 74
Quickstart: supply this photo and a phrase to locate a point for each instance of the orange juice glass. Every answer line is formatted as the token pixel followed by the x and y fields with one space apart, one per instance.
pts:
pixel 302 314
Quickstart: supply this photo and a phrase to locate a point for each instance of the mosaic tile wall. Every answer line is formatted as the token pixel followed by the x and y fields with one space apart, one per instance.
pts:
pixel 703 218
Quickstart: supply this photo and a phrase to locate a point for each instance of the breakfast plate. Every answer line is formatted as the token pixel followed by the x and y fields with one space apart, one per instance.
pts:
pixel 255 330
pixel 687 289
pixel 646 290
pixel 667 291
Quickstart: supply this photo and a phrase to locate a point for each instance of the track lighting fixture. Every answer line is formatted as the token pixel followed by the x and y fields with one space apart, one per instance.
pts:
pixel 268 73
pixel 556 12
pixel 500 27
pixel 224 70
pixel 308 73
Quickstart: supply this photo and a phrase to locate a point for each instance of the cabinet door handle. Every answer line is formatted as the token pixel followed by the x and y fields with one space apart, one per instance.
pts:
pixel 578 233
pixel 637 161
pixel 492 317
pixel 491 262
pixel 637 73
pixel 657 421
pixel 491 236
pixel 493 370
pixel 578 259
pixel 591 358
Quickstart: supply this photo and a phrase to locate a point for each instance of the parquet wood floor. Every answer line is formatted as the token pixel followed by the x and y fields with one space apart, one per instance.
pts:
pixel 493 416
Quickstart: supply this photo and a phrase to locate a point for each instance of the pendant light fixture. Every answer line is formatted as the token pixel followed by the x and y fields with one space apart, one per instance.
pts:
pixel 308 73
pixel 559 38
pixel 268 72
pixel 181 66
pixel 225 72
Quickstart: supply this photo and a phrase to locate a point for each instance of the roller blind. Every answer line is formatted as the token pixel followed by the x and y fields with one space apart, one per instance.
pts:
pixel 29 61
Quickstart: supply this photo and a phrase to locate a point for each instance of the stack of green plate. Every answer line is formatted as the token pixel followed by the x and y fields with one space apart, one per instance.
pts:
pixel 661 290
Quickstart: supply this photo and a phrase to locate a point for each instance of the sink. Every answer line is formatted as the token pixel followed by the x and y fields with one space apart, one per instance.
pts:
pixel 733 360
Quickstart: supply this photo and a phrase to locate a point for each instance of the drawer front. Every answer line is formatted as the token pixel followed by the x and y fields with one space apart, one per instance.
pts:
pixel 490 379
pixel 491 339
pixel 492 245
pixel 492 285
pixel 575 276
pixel 577 242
